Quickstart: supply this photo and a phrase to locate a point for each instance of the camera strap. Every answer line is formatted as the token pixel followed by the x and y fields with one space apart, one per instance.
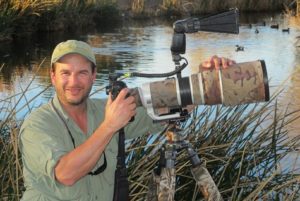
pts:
pixel 99 169
pixel 121 189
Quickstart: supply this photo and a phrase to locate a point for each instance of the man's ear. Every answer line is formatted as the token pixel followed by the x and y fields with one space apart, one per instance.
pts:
pixel 52 76
pixel 94 75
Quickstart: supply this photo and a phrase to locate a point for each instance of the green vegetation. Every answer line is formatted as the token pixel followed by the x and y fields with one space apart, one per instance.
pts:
pixel 11 179
pixel 204 6
pixel 11 183
pixel 242 148
pixel 22 17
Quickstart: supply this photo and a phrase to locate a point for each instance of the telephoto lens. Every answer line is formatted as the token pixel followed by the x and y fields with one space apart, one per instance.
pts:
pixel 241 83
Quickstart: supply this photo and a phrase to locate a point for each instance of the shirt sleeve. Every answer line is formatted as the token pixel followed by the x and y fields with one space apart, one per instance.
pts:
pixel 141 125
pixel 41 145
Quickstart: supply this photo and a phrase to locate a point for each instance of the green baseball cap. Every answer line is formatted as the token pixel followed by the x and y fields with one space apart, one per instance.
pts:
pixel 73 46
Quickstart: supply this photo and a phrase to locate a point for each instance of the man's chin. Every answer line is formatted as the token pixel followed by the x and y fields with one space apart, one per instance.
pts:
pixel 75 101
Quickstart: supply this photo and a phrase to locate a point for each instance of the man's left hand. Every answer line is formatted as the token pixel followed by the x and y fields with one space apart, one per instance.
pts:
pixel 216 62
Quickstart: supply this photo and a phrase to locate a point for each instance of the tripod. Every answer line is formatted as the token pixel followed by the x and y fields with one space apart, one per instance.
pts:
pixel 162 185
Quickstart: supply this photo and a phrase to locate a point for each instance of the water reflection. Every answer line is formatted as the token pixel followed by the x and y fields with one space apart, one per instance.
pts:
pixel 144 46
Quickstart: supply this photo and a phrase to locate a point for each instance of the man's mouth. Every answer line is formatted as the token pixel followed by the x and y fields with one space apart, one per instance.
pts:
pixel 74 91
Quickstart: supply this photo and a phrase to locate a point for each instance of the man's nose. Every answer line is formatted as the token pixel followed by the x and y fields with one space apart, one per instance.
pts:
pixel 73 79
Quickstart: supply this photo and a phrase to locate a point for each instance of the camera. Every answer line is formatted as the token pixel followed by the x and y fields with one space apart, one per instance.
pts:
pixel 241 83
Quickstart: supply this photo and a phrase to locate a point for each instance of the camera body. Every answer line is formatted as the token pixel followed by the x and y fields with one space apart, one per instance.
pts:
pixel 115 88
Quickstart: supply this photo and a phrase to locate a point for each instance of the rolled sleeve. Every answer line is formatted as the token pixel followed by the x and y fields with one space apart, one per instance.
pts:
pixel 40 150
pixel 141 125
pixel 43 140
pixel 41 145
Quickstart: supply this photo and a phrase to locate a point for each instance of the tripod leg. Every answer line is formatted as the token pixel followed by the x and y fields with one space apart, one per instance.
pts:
pixel 206 184
pixel 152 187
pixel 203 178
pixel 165 184
pixel 162 186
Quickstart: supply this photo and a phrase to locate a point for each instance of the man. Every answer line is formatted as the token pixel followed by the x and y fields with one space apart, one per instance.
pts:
pixel 69 146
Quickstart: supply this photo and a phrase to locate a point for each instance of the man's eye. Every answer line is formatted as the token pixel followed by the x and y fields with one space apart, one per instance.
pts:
pixel 65 73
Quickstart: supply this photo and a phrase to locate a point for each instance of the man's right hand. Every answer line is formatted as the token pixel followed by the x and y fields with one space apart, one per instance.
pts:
pixel 119 112
pixel 79 162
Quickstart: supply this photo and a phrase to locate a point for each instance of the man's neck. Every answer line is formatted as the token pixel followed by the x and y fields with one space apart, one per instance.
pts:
pixel 75 110
pixel 78 113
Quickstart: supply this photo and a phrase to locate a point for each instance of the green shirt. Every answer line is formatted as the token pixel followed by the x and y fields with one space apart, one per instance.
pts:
pixel 44 139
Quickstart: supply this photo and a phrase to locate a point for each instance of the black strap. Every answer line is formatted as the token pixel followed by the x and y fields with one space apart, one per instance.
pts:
pixel 121 190
pixel 99 169
pixel 64 122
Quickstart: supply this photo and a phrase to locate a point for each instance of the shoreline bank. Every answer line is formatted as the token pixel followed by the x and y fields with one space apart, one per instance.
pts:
pixel 18 19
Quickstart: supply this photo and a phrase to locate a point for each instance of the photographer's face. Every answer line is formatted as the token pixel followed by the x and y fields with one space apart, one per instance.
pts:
pixel 73 78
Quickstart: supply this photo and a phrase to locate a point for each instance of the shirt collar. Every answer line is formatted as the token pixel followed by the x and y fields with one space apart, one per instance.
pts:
pixel 60 108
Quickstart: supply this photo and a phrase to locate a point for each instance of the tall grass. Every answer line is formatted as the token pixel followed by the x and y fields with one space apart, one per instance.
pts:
pixel 23 17
pixel 11 183
pixel 243 148
pixel 10 168
pixel 20 15
pixel 190 7
pixel 11 177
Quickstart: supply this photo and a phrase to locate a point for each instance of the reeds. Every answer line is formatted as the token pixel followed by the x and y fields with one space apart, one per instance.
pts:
pixel 23 17
pixel 11 177
pixel 190 7
pixel 243 148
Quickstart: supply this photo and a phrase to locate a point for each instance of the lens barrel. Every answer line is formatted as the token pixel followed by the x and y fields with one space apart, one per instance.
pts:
pixel 239 84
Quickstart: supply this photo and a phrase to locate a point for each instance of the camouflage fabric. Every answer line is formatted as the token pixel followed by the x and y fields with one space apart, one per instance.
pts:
pixel 206 184
pixel 162 187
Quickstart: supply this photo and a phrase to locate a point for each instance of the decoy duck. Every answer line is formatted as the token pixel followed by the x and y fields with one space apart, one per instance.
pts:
pixel 239 48
pixel 275 26
pixel 286 30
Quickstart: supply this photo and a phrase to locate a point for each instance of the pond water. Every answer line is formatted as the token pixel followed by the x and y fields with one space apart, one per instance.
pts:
pixel 144 46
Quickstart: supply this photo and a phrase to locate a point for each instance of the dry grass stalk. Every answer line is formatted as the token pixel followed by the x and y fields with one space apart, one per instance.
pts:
pixel 137 6
pixel 239 152
pixel 241 147
pixel 11 183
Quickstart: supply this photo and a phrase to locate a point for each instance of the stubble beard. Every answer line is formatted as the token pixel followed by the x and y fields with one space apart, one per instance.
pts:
pixel 62 96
